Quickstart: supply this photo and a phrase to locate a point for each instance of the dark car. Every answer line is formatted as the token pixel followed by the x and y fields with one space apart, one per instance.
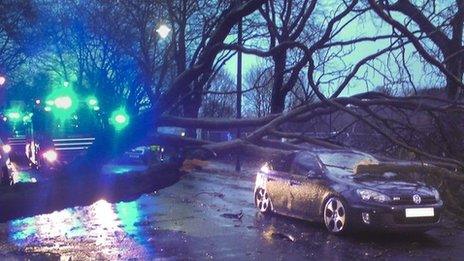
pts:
pixel 326 186
pixel 6 177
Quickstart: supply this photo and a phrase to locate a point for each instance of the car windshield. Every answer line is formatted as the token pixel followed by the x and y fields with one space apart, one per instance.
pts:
pixel 345 160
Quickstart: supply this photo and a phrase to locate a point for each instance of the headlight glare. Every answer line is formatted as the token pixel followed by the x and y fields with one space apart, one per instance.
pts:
pixel 265 168
pixel 50 156
pixel 368 195
pixel 6 148
pixel 436 194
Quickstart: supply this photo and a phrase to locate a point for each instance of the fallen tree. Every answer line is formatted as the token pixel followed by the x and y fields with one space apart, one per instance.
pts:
pixel 414 127
pixel 363 108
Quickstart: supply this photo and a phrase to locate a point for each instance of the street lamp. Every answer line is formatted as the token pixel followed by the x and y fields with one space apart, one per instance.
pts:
pixel 2 80
pixel 163 31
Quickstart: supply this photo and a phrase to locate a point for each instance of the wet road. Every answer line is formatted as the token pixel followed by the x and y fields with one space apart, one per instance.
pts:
pixel 191 220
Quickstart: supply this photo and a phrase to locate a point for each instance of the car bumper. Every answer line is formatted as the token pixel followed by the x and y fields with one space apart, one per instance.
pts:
pixel 393 217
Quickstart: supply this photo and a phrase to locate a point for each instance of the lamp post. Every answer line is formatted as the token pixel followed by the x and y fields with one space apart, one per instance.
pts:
pixel 239 87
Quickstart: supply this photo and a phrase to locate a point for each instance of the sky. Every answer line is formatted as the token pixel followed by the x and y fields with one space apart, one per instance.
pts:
pixel 370 25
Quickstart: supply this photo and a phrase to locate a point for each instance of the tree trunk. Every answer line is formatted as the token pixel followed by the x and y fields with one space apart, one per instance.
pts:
pixel 191 107
pixel 278 94
pixel 278 101
pixel 454 66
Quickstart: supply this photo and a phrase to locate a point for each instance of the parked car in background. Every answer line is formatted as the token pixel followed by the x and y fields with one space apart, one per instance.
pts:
pixel 145 154
pixel 6 177
pixel 326 186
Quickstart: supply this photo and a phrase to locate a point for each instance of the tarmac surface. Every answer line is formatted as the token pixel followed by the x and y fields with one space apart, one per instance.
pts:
pixel 208 214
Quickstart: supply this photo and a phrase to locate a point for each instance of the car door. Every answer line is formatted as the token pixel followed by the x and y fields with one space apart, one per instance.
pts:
pixel 278 187
pixel 305 186
pixel 277 184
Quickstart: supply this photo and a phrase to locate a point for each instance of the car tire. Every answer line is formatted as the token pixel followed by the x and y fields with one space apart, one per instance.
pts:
pixel 263 201
pixel 335 215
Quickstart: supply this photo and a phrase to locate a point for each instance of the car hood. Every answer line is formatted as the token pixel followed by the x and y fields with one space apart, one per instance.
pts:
pixel 394 187
pixel 388 183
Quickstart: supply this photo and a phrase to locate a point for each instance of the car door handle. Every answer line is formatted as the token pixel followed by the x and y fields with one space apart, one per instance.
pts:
pixel 294 183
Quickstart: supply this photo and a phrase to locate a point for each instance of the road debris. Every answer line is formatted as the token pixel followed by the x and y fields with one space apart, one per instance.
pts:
pixel 285 236
pixel 213 194
pixel 233 216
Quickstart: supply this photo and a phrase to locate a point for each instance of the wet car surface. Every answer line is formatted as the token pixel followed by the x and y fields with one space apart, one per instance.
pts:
pixel 341 189
pixel 171 224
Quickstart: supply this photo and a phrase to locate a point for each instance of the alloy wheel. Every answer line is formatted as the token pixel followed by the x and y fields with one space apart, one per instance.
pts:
pixel 263 202
pixel 335 215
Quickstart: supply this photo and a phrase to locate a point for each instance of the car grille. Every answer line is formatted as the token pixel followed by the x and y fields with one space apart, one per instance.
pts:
pixel 407 200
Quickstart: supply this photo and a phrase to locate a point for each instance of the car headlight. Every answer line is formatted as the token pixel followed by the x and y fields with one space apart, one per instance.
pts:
pixel 436 194
pixel 265 168
pixel 50 156
pixel 368 195
pixel 6 148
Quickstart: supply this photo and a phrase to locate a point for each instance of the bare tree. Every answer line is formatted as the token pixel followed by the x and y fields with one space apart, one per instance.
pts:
pixel 15 26
pixel 219 100
pixel 258 96
pixel 444 29
pixel 286 21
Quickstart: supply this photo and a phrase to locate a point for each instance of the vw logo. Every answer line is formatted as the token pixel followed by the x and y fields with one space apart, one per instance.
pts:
pixel 417 199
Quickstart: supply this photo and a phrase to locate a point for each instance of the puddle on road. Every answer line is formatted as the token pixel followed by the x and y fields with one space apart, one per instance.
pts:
pixel 122 169
pixel 23 177
pixel 99 230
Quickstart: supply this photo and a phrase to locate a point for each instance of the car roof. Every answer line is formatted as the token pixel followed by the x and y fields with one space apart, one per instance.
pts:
pixel 347 151
pixel 316 152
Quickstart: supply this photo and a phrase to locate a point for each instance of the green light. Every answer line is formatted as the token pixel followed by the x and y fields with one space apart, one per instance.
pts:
pixel 48 108
pixel 119 119
pixel 14 115
pixel 96 108
pixel 92 101
pixel 63 102
pixel 129 215
pixel 27 118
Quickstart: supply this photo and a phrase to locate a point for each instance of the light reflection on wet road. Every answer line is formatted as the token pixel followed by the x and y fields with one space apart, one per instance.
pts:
pixel 186 221
pixel 23 177
pixel 120 169
pixel 102 227
pixel 23 174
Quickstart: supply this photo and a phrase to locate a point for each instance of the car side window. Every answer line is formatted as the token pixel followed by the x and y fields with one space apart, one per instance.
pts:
pixel 306 164
pixel 297 169
pixel 282 164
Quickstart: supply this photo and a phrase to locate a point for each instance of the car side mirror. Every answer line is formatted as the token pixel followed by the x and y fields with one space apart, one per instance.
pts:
pixel 312 174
